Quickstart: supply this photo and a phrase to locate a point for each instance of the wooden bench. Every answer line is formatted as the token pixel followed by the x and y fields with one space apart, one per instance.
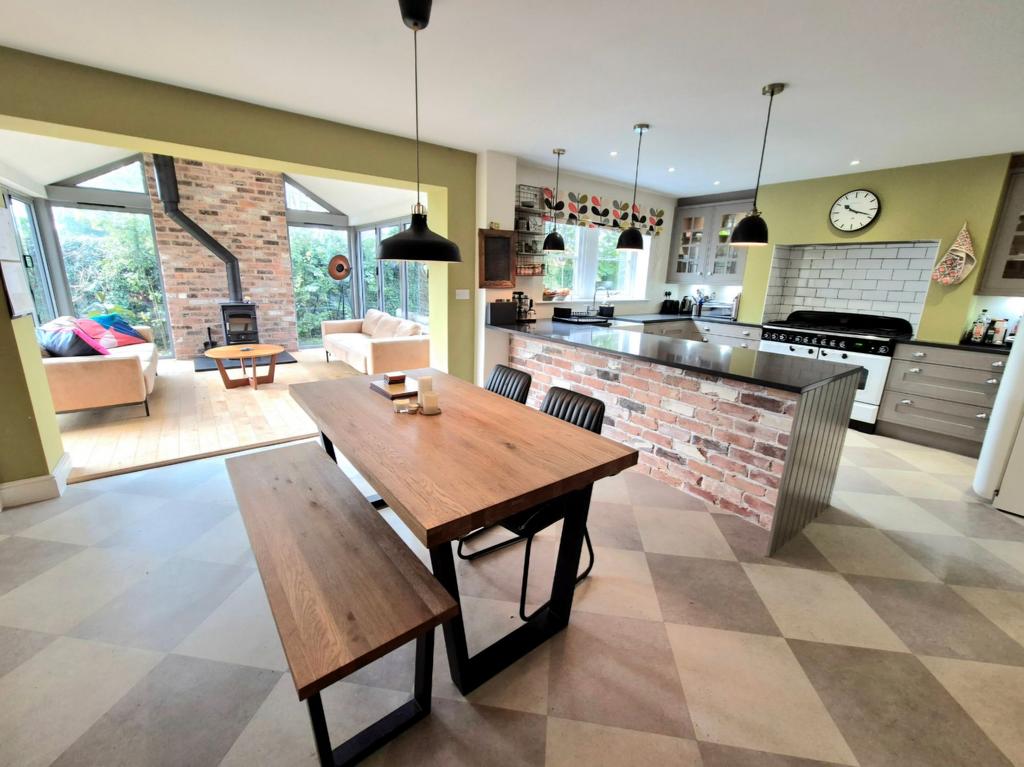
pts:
pixel 343 587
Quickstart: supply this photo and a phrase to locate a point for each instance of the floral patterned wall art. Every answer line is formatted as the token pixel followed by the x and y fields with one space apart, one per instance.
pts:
pixel 589 210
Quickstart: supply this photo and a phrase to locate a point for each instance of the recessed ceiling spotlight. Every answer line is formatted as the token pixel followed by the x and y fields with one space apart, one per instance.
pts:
pixel 717 183
pixel 671 170
pixel 854 162
pixel 613 153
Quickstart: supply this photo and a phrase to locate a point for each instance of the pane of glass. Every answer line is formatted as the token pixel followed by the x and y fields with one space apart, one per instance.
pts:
pixel 620 274
pixel 391 277
pixel 417 292
pixel 318 296
pixel 368 251
pixel 111 263
pixel 296 199
pixel 32 256
pixel 127 178
pixel 560 268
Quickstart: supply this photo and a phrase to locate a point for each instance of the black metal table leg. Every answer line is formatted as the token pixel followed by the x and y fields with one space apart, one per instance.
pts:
pixel 328 447
pixel 467 672
pixel 364 743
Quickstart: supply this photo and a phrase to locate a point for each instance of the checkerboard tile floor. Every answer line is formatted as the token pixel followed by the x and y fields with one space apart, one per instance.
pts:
pixel 134 631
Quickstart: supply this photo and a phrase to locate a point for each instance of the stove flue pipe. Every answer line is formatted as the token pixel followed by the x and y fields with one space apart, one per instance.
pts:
pixel 167 188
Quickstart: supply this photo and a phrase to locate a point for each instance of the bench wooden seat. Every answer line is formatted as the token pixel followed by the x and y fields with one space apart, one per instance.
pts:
pixel 343 588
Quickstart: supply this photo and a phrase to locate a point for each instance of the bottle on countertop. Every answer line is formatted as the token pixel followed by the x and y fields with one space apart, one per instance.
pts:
pixel 999 332
pixel 979 328
pixel 990 333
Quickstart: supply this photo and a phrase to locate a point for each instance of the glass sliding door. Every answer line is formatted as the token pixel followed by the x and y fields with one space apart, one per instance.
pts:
pixel 391 278
pixel 32 255
pixel 111 265
pixel 400 288
pixel 368 268
pixel 417 292
pixel 318 296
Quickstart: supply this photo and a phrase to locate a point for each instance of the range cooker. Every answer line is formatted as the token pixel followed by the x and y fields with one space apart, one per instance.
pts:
pixel 853 339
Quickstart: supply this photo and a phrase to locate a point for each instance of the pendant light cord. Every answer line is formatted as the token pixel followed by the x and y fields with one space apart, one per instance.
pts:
pixel 554 208
pixel 764 142
pixel 416 96
pixel 636 176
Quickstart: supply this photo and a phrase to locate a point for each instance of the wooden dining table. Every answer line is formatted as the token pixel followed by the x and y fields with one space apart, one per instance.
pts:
pixel 483 459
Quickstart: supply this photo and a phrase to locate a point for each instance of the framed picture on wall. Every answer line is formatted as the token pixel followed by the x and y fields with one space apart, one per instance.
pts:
pixel 497 258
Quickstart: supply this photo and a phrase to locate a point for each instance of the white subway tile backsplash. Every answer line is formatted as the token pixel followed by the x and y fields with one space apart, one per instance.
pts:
pixel 890 279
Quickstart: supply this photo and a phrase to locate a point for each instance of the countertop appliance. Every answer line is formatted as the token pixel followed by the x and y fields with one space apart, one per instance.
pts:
pixel 845 337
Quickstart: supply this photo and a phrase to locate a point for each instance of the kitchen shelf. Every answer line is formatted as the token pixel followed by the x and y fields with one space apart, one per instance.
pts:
pixel 530 234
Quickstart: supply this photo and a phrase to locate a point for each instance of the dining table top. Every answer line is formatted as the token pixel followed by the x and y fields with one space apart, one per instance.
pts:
pixel 483 459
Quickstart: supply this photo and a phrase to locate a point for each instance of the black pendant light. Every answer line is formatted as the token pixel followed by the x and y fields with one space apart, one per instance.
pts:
pixel 632 238
pixel 752 231
pixel 417 243
pixel 554 243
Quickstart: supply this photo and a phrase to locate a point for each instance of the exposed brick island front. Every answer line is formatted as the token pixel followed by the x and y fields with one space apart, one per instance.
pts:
pixel 755 434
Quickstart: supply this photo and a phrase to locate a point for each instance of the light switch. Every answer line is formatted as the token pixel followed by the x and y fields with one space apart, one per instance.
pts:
pixel 462 295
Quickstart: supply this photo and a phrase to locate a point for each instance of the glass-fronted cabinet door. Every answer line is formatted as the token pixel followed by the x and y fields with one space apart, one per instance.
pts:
pixel 688 255
pixel 1004 270
pixel 725 262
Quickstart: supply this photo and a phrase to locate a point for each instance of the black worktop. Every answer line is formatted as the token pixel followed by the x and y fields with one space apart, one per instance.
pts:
pixel 777 371
pixel 651 319
pixel 961 347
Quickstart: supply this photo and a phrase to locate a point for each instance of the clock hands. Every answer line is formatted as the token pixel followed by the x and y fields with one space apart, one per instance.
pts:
pixel 853 210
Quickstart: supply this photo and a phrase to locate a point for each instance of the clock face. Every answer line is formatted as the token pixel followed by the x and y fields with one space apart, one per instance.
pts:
pixel 854 210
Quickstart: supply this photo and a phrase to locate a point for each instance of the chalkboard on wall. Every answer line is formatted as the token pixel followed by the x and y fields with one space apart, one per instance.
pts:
pixel 497 258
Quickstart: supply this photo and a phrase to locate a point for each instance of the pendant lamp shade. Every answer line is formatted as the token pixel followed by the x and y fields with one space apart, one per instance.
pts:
pixel 554 243
pixel 631 239
pixel 417 243
pixel 752 230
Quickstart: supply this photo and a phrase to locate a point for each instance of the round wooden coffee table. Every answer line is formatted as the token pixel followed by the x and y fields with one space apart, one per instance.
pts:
pixel 243 352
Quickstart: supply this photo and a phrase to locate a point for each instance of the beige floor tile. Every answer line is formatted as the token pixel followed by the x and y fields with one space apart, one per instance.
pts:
pixel 55 696
pixel 913 484
pixel 856 439
pixel 748 690
pixel 571 743
pixel 280 735
pixel 1003 608
pixel 521 687
pixel 68 593
pixel 619 584
pixel 90 522
pixel 992 694
pixel 890 512
pixel 820 607
pixel 681 532
pixel 611 490
pixel 934 461
pixel 865 551
pixel 240 631
pixel 1011 552
pixel 225 543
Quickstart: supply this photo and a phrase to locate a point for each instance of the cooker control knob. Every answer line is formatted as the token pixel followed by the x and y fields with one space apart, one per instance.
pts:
pixel 842 344
pixel 883 349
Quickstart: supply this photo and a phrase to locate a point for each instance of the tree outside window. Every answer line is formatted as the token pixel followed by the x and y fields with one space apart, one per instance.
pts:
pixel 592 265
pixel 318 296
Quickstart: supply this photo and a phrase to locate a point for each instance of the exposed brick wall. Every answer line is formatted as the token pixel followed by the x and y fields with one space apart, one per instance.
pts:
pixel 244 210
pixel 715 438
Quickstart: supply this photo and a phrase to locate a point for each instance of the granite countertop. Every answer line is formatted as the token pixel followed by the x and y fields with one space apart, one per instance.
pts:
pixel 776 371
pixel 649 319
pixel 961 347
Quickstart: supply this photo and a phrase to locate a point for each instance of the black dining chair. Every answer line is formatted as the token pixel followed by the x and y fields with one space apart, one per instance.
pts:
pixel 510 383
pixel 579 410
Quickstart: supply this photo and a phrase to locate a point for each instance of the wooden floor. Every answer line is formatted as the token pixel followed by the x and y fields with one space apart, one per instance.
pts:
pixel 193 415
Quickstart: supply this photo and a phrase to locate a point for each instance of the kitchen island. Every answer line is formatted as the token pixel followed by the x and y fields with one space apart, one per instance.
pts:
pixel 752 433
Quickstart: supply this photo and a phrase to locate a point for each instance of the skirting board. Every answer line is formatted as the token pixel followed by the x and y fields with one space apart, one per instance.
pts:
pixel 43 488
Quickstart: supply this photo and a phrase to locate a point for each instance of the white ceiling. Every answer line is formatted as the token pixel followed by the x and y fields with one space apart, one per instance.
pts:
pixel 888 83
pixel 31 162
pixel 362 202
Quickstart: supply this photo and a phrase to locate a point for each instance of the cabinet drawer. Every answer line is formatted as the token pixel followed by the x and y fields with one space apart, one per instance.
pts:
pixel 683 329
pixel 935 415
pixel 746 332
pixel 945 382
pixel 739 343
pixel 959 358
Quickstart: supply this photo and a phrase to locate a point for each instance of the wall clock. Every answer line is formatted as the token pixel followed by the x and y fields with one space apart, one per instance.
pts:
pixel 854 210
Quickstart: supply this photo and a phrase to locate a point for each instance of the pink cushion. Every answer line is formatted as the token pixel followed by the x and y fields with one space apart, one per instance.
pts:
pixel 107 338
pixel 49 337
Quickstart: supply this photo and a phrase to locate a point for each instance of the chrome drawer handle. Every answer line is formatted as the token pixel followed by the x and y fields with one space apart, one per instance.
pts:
pixel 982 416
pixel 746 332
pixel 919 355
pixel 914 370
pixel 992 381
pixel 998 364
pixel 745 346
pixel 707 328
pixel 906 402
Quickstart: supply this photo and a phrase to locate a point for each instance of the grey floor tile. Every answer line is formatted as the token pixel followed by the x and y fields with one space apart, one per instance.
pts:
pixel 158 612
pixel 647 491
pixel 858 480
pixel 750 542
pixel 960 561
pixel 892 711
pixel 613 525
pixel 19 518
pixel 932 619
pixel 873 457
pixel 717 755
pixel 618 672
pixel 709 592
pixel 170 481
pixel 175 526
pixel 571 743
pixel 22 559
pixel 975 520
pixel 18 645
pixel 836 516
pixel 186 711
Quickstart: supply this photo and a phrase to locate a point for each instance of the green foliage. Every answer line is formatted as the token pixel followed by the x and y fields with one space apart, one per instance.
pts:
pixel 111 264
pixel 318 296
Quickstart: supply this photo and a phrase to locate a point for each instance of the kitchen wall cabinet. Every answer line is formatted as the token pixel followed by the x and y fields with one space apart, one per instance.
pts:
pixel 700 250
pixel 1004 269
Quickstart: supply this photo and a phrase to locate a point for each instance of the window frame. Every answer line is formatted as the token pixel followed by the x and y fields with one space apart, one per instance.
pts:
pixel 403 222
pixel 586 258
pixel 42 268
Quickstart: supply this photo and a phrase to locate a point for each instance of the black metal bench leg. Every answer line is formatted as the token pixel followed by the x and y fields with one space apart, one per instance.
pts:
pixel 364 743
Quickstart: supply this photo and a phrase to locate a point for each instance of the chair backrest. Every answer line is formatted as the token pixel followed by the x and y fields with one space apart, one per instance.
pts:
pixel 513 384
pixel 578 409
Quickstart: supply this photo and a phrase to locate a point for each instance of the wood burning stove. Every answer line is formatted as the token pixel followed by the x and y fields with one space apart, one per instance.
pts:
pixel 240 326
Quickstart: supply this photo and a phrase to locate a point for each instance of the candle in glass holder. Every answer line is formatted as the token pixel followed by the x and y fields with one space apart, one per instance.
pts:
pixel 429 403
pixel 423 384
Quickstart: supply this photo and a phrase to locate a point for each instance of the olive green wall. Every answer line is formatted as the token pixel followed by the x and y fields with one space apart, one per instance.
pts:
pixel 44 95
pixel 30 444
pixel 919 202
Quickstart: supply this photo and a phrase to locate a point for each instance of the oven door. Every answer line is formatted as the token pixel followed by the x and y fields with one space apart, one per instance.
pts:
pixel 872 381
